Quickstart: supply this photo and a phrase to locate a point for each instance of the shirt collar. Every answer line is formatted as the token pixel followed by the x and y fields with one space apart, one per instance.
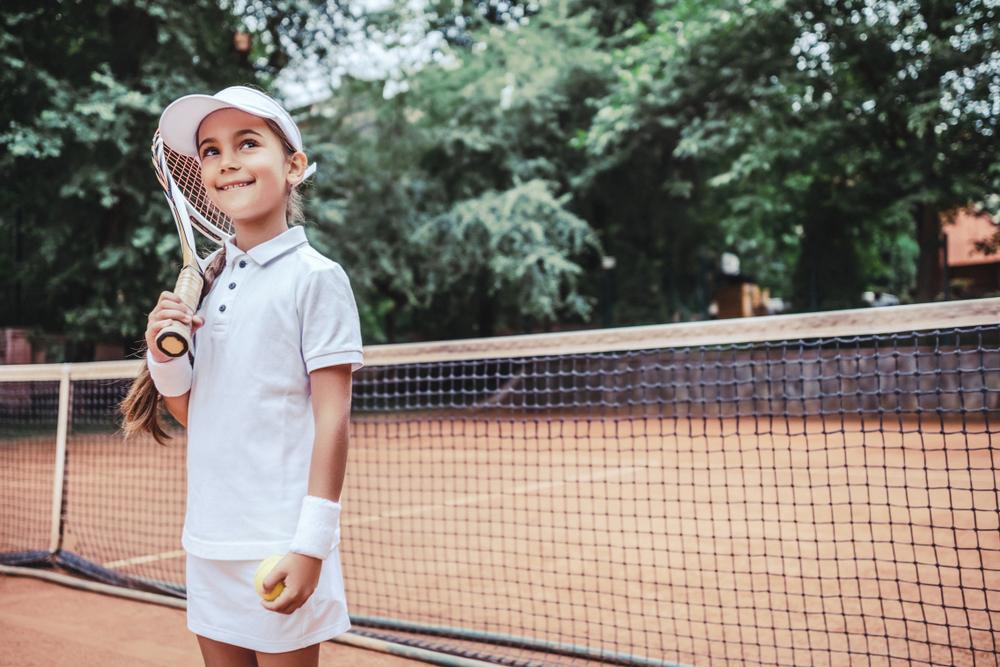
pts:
pixel 262 253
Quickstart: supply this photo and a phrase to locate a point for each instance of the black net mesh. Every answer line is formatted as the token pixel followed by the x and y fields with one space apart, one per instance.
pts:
pixel 820 501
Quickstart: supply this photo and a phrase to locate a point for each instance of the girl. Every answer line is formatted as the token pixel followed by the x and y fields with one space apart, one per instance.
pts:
pixel 266 402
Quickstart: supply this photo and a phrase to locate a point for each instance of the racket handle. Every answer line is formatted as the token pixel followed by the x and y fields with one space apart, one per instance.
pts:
pixel 175 339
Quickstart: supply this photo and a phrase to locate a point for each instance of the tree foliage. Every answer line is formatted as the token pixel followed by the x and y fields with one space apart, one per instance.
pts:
pixel 86 240
pixel 827 137
pixel 453 197
pixel 820 140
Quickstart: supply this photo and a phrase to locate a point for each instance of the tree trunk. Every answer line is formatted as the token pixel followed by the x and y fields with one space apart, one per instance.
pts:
pixel 930 267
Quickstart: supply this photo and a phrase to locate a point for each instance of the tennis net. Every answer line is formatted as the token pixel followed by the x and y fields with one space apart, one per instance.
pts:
pixel 816 489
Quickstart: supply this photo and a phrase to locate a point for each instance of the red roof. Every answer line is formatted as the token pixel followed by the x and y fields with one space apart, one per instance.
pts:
pixel 970 227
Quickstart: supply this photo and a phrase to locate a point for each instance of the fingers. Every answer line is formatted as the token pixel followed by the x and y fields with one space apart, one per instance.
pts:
pixel 155 327
pixel 170 299
pixel 169 302
pixel 277 573
pixel 295 592
pixel 169 308
pixel 287 602
pixel 174 314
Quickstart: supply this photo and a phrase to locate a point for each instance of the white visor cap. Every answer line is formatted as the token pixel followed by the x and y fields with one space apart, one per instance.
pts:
pixel 179 122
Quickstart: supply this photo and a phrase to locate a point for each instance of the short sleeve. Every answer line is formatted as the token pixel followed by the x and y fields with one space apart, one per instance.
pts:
pixel 328 314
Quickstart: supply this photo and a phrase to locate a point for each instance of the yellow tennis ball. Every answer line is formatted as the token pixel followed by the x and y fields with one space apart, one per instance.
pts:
pixel 263 569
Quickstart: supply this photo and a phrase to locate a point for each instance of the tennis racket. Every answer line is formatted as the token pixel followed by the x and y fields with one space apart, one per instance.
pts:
pixel 180 177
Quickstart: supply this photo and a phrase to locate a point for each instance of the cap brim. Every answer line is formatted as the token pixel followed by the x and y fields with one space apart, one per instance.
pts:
pixel 180 120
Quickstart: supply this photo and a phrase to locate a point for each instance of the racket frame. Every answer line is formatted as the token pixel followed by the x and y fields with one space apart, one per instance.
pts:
pixel 174 339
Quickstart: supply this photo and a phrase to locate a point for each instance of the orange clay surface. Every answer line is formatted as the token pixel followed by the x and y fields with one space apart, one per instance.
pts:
pixel 706 542
pixel 47 624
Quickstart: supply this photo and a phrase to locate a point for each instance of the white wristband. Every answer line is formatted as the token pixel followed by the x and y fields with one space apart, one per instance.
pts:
pixel 319 527
pixel 172 378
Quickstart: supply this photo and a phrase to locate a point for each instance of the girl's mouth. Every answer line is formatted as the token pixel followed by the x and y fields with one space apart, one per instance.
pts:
pixel 235 186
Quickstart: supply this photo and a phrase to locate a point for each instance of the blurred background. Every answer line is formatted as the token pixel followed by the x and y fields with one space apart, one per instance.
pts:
pixel 819 489
pixel 493 167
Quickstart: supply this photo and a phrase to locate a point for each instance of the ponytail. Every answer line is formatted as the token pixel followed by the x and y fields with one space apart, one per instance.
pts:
pixel 140 407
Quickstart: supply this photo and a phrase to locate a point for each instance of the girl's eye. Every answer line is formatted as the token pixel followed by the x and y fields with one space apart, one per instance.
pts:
pixel 209 151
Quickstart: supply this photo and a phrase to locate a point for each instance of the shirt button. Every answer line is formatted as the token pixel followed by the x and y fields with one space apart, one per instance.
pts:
pixel 243 263
pixel 222 308
pixel 232 285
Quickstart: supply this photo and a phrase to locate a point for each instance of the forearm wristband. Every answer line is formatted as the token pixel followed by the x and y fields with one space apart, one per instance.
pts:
pixel 172 378
pixel 319 527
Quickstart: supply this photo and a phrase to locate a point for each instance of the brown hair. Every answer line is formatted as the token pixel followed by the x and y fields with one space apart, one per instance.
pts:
pixel 140 407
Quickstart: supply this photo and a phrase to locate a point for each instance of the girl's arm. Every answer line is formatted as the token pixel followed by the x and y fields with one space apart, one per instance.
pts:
pixel 331 401
pixel 331 350
pixel 178 407
pixel 169 309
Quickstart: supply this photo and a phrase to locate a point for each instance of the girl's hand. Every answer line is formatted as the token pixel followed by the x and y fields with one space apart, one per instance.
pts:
pixel 300 574
pixel 168 309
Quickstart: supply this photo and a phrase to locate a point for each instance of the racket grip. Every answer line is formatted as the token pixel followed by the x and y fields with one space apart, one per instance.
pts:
pixel 175 339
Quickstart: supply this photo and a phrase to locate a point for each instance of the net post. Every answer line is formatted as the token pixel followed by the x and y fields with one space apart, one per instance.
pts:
pixel 62 428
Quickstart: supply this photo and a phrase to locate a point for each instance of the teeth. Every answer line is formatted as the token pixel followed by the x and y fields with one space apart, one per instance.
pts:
pixel 235 185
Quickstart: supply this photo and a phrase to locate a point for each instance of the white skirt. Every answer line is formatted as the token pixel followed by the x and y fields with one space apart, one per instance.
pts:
pixel 223 605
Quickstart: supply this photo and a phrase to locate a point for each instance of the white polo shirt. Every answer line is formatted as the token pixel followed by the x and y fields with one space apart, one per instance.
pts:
pixel 273 315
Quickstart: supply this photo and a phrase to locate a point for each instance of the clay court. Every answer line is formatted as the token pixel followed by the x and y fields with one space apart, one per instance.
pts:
pixel 670 539
pixel 654 496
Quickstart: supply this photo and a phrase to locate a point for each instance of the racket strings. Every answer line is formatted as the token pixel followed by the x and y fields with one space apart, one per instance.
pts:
pixel 186 174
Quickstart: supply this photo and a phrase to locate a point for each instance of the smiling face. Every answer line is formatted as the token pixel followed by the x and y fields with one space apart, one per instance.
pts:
pixel 245 166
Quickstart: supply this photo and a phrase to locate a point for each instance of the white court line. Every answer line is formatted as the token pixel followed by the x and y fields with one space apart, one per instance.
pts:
pixel 470 499
pixel 515 490
pixel 141 560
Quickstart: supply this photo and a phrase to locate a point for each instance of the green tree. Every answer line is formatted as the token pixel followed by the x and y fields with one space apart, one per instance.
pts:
pixel 451 201
pixel 652 204
pixel 89 243
pixel 821 140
